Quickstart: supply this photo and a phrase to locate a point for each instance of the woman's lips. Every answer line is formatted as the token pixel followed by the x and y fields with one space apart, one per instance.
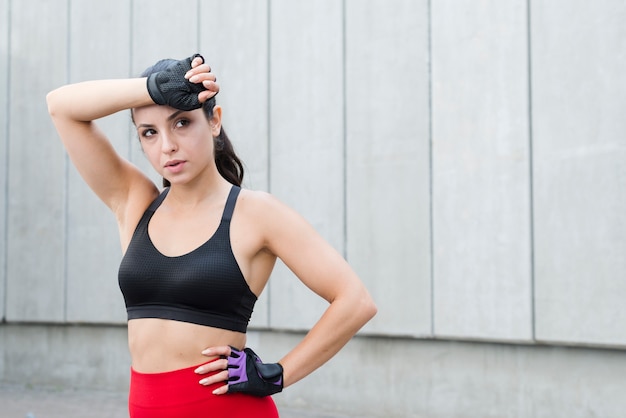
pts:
pixel 175 166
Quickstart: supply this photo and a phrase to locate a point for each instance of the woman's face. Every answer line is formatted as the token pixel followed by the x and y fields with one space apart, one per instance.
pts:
pixel 178 144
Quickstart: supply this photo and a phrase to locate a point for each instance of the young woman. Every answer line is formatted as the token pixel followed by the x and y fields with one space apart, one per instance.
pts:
pixel 199 253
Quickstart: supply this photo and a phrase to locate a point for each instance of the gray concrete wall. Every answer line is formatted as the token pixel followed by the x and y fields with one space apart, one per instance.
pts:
pixel 468 159
pixel 4 144
pixel 481 171
pixel 579 143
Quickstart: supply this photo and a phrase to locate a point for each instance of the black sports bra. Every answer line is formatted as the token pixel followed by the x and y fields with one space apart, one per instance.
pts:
pixel 204 287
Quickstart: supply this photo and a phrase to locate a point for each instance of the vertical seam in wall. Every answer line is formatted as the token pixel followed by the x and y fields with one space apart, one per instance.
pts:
pixel 5 186
pixel 268 99
pixel 131 34
pixel 66 188
pixel 199 25
pixel 430 171
pixel 268 96
pixel 269 93
pixel 344 112
pixel 530 175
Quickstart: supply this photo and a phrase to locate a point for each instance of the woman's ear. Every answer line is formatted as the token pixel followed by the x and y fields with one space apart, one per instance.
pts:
pixel 216 121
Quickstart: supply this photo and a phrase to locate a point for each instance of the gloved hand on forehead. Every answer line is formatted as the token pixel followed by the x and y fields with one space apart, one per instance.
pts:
pixel 170 87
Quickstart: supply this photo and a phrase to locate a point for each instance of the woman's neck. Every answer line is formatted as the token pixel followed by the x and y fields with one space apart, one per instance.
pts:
pixel 191 195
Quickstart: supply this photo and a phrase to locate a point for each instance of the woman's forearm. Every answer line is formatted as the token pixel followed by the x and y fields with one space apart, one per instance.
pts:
pixel 91 100
pixel 343 318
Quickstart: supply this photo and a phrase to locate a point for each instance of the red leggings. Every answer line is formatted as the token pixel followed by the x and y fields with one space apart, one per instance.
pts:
pixel 177 394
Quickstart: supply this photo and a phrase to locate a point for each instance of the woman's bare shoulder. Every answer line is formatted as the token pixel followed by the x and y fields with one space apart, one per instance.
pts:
pixel 272 218
pixel 261 205
pixel 132 209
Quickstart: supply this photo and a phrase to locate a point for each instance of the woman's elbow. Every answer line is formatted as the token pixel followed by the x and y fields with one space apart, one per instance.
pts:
pixel 51 101
pixel 59 101
pixel 365 308
pixel 370 309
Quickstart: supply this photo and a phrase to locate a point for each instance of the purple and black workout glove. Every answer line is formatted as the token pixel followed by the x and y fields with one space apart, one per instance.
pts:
pixel 170 87
pixel 248 374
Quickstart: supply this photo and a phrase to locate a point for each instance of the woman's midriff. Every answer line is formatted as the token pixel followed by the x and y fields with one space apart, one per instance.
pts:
pixel 161 345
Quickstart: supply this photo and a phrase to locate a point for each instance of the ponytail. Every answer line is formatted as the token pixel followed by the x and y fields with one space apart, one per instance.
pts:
pixel 227 162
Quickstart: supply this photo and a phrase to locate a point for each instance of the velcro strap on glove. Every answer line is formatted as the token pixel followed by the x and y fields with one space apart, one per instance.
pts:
pixel 248 374
pixel 170 87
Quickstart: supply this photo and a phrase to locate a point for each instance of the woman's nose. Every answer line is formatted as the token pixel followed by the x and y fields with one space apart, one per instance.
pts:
pixel 168 145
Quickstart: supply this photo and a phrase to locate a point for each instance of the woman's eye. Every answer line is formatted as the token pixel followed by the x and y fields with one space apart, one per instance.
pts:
pixel 147 133
pixel 182 122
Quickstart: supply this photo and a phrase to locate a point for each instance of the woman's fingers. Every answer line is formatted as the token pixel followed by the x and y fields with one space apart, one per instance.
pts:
pixel 201 73
pixel 222 350
pixel 215 378
pixel 203 77
pixel 220 364
pixel 199 59
pixel 208 80
pixel 221 390
pixel 211 91
pixel 219 377
pixel 199 69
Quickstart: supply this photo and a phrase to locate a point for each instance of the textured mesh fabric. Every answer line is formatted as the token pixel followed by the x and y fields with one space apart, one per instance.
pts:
pixel 169 87
pixel 204 286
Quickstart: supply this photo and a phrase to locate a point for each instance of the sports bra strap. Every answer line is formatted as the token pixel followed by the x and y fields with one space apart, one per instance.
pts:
pixel 157 202
pixel 228 208
pixel 230 203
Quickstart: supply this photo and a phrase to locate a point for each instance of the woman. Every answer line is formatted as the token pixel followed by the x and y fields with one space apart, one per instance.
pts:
pixel 198 254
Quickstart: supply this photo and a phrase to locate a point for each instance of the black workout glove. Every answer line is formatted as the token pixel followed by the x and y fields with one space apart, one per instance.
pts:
pixel 247 374
pixel 170 87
